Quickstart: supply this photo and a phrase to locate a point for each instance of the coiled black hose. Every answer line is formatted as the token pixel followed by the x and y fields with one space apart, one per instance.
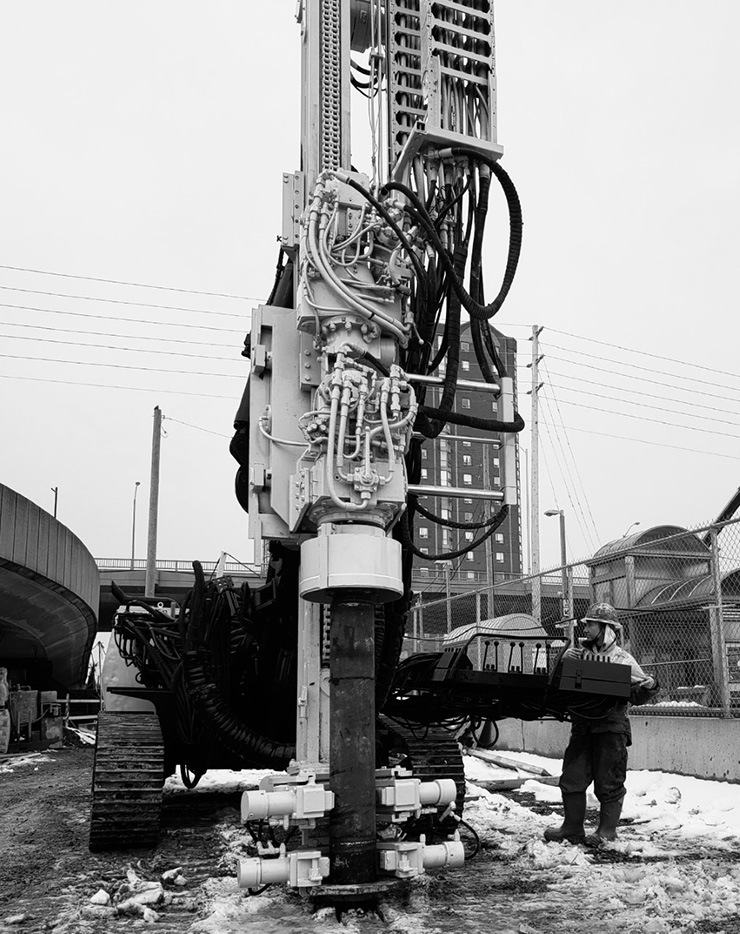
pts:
pixel 419 213
pixel 408 541
pixel 241 740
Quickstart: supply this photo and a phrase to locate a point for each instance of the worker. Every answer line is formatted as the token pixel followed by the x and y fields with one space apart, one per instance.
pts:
pixel 597 750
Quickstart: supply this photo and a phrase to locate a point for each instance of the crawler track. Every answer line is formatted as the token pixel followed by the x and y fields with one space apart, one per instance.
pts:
pixel 128 776
pixel 432 753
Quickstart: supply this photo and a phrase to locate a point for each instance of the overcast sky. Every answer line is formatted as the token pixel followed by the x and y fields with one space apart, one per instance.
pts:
pixel 145 143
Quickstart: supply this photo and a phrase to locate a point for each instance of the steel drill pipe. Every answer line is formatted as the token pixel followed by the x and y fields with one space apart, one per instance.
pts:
pixel 352 705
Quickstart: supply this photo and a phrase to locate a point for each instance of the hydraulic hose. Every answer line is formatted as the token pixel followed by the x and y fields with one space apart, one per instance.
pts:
pixel 420 214
pixel 451 523
pixel 470 421
pixel 237 737
pixel 408 541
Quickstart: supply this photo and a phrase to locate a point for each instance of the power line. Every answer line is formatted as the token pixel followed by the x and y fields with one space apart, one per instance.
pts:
pixel 66 382
pixel 196 427
pixel 167 353
pixel 138 285
pixel 122 366
pixel 636 366
pixel 658 408
pixel 82 314
pixel 577 511
pixel 118 301
pixel 549 385
pixel 137 337
pixel 657 444
pixel 657 421
pixel 644 353
pixel 638 392
pixel 644 379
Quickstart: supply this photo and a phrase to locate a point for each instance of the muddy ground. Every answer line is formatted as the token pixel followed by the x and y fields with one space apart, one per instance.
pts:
pixel 47 875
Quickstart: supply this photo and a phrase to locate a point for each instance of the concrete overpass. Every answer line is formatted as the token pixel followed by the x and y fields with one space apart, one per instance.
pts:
pixel 49 594
pixel 172 580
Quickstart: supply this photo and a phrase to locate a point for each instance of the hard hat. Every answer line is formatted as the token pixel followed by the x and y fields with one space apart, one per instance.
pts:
pixel 603 613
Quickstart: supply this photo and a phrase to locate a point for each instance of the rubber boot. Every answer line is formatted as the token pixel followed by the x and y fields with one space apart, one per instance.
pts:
pixel 608 820
pixel 574 806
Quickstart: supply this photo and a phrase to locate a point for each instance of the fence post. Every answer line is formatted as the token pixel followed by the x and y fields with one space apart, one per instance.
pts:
pixel 568 603
pixel 717 628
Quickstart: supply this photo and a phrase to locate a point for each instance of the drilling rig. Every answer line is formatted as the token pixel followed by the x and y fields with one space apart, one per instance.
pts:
pixel 342 362
pixel 355 365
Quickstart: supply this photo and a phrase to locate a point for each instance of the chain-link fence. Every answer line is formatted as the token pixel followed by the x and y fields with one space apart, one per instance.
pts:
pixel 677 592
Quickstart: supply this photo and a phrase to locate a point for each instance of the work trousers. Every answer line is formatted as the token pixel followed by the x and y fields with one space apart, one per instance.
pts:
pixel 600 758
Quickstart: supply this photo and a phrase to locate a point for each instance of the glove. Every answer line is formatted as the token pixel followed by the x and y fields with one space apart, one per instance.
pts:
pixel 644 691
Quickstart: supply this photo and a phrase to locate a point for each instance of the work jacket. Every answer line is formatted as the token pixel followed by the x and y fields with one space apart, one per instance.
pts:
pixel 617 720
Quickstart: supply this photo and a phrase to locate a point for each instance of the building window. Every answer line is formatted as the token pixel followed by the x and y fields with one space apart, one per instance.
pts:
pixel 464 345
pixel 496 462
pixel 499 537
pixel 423 532
pixel 424 473
pixel 500 557
pixel 444 513
pixel 424 572
pixel 468 479
pixel 444 445
pixel 468 536
pixel 444 478
pixel 470 575
pixel 468 502
pixel 494 406
pixel 467 460
pixel 424 551
pixel 470 556
pixel 445 538
pixel 468 516
pixel 497 480
pixel 424 453
pixel 444 459
pixel 467 444
pixel 465 402
pixel 465 364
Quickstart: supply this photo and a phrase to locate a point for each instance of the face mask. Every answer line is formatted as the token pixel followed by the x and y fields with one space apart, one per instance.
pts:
pixel 609 637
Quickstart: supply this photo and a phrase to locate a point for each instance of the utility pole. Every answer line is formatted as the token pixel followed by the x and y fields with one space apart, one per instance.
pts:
pixel 151 547
pixel 534 492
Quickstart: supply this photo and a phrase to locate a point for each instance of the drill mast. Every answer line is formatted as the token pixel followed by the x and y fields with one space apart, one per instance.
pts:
pixel 347 380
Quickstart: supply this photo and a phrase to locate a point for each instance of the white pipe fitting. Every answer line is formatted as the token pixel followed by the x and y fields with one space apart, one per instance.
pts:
pixel 259 805
pixel 255 872
pixel 441 792
pixel 438 855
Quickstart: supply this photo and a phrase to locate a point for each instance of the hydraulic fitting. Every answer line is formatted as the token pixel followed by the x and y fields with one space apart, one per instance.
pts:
pixel 304 802
pixel 300 869
pixel 407 859
pixel 399 797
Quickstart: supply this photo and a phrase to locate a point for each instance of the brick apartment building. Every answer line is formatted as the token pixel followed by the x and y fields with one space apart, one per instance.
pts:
pixel 458 459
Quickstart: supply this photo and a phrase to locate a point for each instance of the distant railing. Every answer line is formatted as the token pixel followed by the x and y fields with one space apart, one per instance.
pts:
pixel 181 566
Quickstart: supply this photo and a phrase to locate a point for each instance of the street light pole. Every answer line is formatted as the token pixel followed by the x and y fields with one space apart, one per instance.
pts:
pixel 55 491
pixel 567 607
pixel 133 525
